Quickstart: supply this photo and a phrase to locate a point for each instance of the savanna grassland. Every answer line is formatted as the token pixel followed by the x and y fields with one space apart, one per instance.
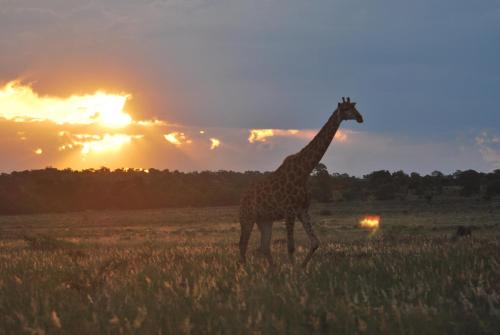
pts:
pixel 175 271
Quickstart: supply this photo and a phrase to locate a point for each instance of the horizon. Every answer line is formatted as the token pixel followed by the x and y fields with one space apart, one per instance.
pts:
pixel 148 170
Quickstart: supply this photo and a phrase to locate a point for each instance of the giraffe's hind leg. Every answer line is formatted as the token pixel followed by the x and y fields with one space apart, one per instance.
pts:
pixel 266 230
pixel 306 222
pixel 246 231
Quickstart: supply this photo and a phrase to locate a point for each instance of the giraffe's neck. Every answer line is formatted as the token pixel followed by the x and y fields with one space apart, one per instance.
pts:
pixel 312 153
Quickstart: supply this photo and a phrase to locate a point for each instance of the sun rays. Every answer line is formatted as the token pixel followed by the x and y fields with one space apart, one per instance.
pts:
pixel 97 128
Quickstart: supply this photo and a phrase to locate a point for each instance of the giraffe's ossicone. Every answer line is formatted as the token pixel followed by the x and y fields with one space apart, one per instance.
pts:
pixel 283 194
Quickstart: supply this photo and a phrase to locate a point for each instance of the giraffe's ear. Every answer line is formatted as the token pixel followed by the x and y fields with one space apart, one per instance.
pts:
pixel 354 104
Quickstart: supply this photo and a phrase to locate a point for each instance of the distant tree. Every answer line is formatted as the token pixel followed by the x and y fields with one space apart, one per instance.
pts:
pixel 414 182
pixel 401 178
pixel 426 186
pixel 381 185
pixel 437 174
pixel 492 184
pixel 349 188
pixel 321 184
pixel 379 177
pixel 52 190
pixel 401 182
pixel 469 180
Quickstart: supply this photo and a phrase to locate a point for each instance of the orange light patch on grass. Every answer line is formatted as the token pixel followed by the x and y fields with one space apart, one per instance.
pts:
pixel 370 222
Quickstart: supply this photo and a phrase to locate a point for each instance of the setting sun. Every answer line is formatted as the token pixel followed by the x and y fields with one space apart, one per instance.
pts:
pixel 20 103
pixel 106 142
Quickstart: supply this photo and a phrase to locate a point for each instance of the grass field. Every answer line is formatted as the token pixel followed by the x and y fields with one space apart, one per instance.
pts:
pixel 175 271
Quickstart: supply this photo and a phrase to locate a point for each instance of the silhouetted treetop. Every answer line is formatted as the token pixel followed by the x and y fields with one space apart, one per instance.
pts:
pixel 53 190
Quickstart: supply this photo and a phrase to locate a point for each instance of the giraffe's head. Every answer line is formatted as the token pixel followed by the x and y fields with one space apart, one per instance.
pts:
pixel 348 111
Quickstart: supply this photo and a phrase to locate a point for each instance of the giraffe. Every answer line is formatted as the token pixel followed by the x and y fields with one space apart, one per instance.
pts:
pixel 283 195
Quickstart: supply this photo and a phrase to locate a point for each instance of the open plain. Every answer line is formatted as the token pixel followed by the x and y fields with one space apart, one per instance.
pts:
pixel 175 271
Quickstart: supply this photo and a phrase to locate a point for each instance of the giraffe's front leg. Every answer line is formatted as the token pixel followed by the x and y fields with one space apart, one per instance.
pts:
pixel 290 223
pixel 306 223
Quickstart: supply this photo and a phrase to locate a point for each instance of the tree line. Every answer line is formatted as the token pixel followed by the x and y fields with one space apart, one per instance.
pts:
pixel 53 190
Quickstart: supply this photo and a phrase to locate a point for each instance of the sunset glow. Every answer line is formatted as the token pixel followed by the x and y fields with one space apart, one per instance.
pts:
pixel 104 143
pixel 88 143
pixel 85 129
pixel 20 103
pixel 215 143
pixel 341 136
pixel 262 135
pixel 177 138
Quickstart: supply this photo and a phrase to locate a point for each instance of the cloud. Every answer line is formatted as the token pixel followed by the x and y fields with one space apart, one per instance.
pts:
pixel 145 146
pixel 489 147
pixel 263 135
pixel 90 143
pixel 177 138
pixel 275 65
pixel 20 103
pixel 86 130
pixel 215 143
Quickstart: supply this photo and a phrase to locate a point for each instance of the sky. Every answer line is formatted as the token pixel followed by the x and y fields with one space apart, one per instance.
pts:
pixel 239 85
